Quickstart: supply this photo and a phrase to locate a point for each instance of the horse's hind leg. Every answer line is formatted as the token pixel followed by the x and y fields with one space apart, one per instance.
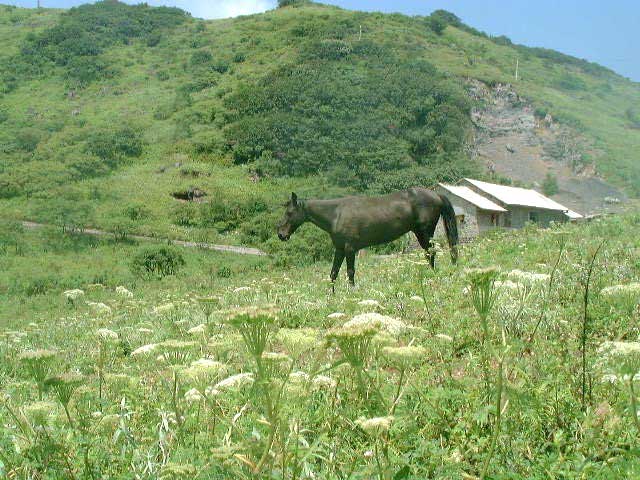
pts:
pixel 338 258
pixel 351 266
pixel 424 234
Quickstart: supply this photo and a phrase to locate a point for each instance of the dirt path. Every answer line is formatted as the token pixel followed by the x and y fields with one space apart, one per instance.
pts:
pixel 180 243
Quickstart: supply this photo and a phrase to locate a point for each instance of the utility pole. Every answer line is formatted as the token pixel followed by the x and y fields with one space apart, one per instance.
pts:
pixel 517 65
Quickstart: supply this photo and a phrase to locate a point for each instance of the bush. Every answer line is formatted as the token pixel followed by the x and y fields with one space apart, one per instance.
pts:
pixel 571 82
pixel 185 215
pixel 135 212
pixel 227 214
pixel 28 139
pixel 115 144
pixel 550 185
pixel 291 3
pixel 631 114
pixel 201 57
pixel 436 24
pixel 157 261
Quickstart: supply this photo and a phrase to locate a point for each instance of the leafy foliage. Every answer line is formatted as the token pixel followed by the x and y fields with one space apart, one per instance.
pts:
pixel 157 261
pixel 550 184
pixel 323 115
pixel 84 32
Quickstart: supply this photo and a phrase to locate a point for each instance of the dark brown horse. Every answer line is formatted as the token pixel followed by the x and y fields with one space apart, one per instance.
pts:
pixel 359 222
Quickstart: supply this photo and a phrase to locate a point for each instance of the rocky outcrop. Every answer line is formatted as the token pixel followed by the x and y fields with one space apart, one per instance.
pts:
pixel 512 142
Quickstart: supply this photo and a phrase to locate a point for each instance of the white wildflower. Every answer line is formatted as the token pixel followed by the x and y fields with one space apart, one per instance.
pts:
pixel 234 382
pixel 527 277
pixel 145 330
pixel 375 426
pixel 507 285
pixel 193 396
pixel 444 337
pixel 144 349
pixel 322 381
pixel 620 358
pixel 167 307
pixel 299 376
pixel 100 308
pixel 405 357
pixel 618 290
pixel 369 303
pixel 73 294
pixel 124 292
pixel 198 330
pixel 241 289
pixel 106 335
pixel 416 298
pixel 336 315
pixel 378 321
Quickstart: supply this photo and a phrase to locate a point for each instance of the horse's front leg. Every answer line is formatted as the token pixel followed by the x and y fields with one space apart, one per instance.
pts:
pixel 351 266
pixel 338 258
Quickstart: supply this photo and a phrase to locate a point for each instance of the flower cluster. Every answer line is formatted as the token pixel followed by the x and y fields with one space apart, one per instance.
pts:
pixel 622 290
pixel 619 360
pixel 73 295
pixel 232 383
pixel 376 426
pixel 354 341
pixel 405 357
pixel 124 292
pixel 528 277
pixel 380 322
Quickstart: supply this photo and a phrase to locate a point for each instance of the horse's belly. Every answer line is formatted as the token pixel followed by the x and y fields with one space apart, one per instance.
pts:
pixel 361 236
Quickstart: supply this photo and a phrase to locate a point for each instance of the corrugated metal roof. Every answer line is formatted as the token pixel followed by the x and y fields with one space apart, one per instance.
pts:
pixel 472 197
pixel 517 196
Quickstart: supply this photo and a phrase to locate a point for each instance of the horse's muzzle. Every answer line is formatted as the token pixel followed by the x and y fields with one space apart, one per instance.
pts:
pixel 283 237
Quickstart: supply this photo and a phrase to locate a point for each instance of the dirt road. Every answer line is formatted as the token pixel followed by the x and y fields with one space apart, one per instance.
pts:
pixel 180 243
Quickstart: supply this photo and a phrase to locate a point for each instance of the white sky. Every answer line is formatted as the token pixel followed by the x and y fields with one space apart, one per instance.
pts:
pixel 217 8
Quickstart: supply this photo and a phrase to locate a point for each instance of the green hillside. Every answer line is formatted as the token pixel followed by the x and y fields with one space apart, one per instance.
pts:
pixel 109 109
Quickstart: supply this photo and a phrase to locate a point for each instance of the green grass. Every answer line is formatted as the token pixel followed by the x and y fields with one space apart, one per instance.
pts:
pixel 444 418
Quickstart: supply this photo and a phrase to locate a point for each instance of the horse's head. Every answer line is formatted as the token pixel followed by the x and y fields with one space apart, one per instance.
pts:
pixel 294 216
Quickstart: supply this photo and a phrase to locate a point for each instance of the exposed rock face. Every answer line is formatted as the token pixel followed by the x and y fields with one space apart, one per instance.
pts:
pixel 512 142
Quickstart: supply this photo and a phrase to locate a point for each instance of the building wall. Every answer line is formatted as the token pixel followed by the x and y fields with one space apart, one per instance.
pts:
pixel 475 221
pixel 521 215
pixel 518 216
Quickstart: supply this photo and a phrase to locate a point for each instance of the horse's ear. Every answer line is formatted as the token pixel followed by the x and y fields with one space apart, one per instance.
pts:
pixel 294 199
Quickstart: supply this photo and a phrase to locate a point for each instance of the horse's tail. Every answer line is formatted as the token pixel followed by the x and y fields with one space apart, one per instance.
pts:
pixel 451 226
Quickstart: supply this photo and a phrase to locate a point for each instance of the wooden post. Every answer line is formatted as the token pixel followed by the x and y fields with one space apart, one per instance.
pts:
pixel 517 65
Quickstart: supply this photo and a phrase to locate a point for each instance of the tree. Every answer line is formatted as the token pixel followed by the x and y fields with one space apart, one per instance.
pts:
pixel 550 184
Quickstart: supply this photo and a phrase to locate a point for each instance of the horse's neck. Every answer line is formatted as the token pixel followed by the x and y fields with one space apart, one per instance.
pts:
pixel 320 214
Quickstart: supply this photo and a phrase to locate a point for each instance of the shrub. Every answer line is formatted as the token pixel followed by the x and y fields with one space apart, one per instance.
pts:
pixel 550 184
pixel 115 144
pixel 27 139
pixel 135 212
pixel 224 272
pixel 185 215
pixel 291 3
pixel 227 214
pixel 201 57
pixel 436 24
pixel 631 114
pixel 571 83
pixel 157 261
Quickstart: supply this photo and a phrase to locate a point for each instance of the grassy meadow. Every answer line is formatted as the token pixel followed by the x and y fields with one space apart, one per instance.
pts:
pixel 236 367
pixel 127 359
